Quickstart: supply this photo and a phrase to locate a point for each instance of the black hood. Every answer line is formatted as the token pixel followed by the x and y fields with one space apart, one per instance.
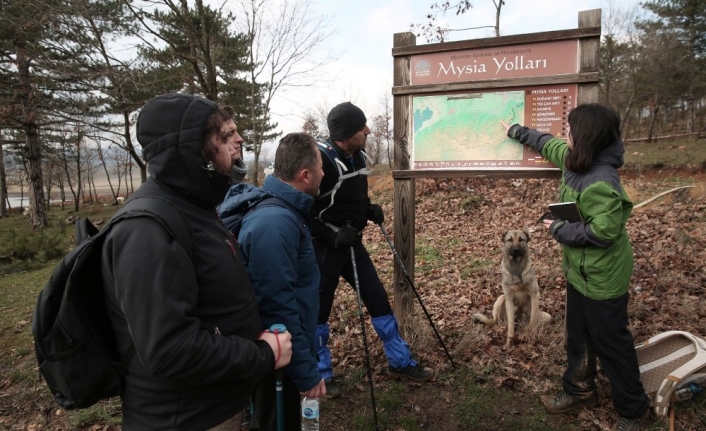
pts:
pixel 612 155
pixel 170 128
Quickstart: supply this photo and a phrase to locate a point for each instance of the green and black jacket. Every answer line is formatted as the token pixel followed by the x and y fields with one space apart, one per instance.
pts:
pixel 597 255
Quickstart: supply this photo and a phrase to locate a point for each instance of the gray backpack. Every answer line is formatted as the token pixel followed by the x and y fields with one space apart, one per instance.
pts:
pixel 672 368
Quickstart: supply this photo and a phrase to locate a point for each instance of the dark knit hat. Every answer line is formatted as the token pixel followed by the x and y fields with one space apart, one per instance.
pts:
pixel 344 121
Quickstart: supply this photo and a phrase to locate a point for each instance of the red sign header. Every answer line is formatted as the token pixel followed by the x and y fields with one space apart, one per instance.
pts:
pixel 516 61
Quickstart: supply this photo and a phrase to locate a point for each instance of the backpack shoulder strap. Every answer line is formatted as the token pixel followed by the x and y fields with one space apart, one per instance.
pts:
pixel 274 201
pixel 341 167
pixel 165 213
pixel 85 230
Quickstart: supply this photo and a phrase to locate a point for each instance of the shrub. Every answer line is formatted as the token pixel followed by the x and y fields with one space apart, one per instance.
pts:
pixel 43 245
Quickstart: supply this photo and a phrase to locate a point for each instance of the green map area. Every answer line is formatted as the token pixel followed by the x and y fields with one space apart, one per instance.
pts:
pixel 466 127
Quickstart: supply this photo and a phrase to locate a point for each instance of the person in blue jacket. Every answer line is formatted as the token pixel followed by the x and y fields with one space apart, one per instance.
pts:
pixel 275 238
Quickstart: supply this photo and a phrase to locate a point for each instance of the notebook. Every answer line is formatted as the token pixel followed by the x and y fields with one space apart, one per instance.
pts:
pixel 567 211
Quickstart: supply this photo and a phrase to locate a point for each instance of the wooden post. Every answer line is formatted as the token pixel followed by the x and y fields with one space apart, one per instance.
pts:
pixel 404 189
pixel 589 56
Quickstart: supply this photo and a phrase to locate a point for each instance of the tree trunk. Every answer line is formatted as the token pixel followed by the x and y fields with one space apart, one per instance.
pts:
pixel 652 124
pixel 64 158
pixel 101 157
pixel 3 186
pixel 131 148
pixel 691 114
pixel 37 211
pixel 498 6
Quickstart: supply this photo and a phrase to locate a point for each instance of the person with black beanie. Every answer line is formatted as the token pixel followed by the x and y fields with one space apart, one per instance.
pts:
pixel 339 215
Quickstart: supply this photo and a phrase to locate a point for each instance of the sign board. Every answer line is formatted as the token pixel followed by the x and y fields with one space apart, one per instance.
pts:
pixel 463 130
pixel 450 99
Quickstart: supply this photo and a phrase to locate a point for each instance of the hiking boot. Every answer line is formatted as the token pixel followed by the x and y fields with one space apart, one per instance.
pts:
pixel 333 389
pixel 565 402
pixel 634 424
pixel 416 372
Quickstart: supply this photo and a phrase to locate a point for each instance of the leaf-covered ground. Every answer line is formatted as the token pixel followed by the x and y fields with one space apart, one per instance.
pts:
pixel 458 228
pixel 459 224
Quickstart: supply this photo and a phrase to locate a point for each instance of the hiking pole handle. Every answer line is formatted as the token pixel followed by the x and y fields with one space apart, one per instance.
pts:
pixel 279 328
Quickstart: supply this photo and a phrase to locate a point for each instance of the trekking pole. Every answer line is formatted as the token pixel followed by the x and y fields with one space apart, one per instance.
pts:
pixel 365 342
pixel 279 328
pixel 419 298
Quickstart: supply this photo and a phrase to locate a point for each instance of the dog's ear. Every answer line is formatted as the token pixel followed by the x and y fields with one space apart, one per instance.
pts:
pixel 502 238
pixel 526 234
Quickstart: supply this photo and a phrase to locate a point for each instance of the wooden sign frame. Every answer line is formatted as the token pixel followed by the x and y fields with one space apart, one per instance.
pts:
pixel 404 48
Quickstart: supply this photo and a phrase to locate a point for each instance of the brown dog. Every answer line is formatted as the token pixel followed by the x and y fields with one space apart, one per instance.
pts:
pixel 520 288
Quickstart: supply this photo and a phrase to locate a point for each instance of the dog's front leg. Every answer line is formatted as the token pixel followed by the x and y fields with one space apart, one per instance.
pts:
pixel 534 311
pixel 510 315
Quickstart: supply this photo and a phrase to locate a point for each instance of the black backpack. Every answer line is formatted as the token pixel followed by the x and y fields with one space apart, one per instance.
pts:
pixel 73 336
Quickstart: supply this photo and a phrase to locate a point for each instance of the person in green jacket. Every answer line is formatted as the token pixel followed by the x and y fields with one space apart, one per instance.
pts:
pixel 597 261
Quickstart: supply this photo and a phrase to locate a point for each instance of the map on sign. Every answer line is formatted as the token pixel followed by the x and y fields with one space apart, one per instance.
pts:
pixel 464 130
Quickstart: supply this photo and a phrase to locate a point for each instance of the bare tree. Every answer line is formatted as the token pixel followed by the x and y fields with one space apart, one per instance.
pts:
pixel 72 157
pixel 321 113
pixel 311 125
pixel 434 32
pixel 284 39
pixel 387 132
pixel 375 143
pixel 3 183
pixel 102 158
pixel 50 167
pixel 683 21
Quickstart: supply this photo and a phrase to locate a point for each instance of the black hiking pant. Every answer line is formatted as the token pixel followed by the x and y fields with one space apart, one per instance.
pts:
pixel 335 263
pixel 599 328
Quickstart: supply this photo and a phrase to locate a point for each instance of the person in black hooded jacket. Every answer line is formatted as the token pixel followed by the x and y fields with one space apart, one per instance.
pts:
pixel 193 321
pixel 339 215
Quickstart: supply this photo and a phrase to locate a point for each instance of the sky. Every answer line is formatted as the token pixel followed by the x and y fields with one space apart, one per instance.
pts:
pixel 362 44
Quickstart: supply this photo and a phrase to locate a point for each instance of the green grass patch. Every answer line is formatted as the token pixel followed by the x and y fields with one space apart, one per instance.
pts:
pixel 19 293
pixel 106 412
pixel 365 421
pixel 392 398
pixel 409 423
pixel 678 152
pixel 471 202
pixel 428 257
pixel 475 265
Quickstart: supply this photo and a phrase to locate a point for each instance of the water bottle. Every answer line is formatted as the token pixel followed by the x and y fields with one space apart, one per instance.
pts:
pixel 683 393
pixel 310 414
pixel 687 392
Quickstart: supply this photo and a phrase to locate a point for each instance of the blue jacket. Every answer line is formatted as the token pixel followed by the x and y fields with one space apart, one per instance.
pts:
pixel 280 258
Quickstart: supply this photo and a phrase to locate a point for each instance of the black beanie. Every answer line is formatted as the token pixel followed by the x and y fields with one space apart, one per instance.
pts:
pixel 344 121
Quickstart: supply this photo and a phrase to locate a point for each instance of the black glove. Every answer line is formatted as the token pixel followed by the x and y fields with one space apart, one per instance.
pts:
pixel 514 131
pixel 375 214
pixel 347 236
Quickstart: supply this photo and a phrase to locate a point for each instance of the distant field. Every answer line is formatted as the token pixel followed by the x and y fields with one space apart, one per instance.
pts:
pixel 680 152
